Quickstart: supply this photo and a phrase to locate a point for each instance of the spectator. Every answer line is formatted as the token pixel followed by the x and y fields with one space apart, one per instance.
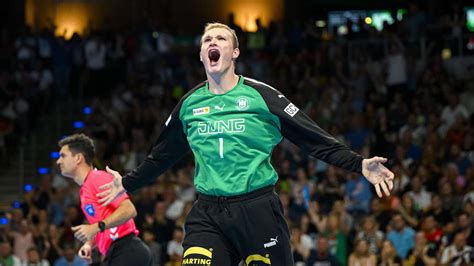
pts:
pixel 381 214
pixel 301 244
pixel 362 255
pixel 321 255
pixel 155 249
pixel 22 240
pixel 449 113
pixel 421 197
pixel 52 244
pixel 458 253
pixel 6 256
pixel 162 226
pixel 465 224
pixel 407 209
pixel 423 253
pixel 70 258
pixel 336 238
pixel 372 234
pixel 467 98
pixel 402 236
pixel 431 229
pixel 175 247
pixel 346 219
pixel 440 214
pixel 388 255
pixel 34 258
pixel 318 220
pixel 358 193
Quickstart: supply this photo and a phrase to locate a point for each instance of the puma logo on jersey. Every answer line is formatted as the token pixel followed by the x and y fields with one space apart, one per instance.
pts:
pixel 220 108
pixel 221 126
pixel 273 242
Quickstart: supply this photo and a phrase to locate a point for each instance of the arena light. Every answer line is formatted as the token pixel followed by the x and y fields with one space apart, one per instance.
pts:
pixel 16 204
pixel 446 53
pixel 320 23
pixel 71 17
pixel 54 155
pixel 87 110
pixel 28 188
pixel 469 18
pixel 380 17
pixel 78 124
pixel 368 20
pixel 3 220
pixel 342 30
pixel 401 13
pixel 43 170
pixel 247 11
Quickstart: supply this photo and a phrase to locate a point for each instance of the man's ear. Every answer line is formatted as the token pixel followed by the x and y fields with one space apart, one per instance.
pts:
pixel 79 157
pixel 235 53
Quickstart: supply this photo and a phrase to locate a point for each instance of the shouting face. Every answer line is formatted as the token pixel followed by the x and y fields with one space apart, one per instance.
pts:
pixel 218 50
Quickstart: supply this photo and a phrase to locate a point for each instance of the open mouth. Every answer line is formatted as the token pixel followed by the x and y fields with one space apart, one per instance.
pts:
pixel 214 56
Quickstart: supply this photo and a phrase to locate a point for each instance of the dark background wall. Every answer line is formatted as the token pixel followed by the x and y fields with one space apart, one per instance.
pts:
pixel 186 15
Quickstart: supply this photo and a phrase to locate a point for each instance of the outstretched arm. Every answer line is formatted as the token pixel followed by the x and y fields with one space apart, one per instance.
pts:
pixel 306 134
pixel 168 149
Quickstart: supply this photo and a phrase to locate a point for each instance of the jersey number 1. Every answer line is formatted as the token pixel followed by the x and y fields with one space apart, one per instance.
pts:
pixel 221 147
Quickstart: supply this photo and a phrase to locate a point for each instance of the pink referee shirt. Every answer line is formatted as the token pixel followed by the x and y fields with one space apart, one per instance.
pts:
pixel 95 212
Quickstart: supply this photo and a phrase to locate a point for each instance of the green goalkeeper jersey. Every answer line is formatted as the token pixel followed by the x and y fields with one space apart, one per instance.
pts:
pixel 232 136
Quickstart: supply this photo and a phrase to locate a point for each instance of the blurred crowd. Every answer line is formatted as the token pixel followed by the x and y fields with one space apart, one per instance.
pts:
pixel 384 99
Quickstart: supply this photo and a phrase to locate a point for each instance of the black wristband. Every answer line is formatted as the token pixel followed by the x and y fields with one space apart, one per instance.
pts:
pixel 101 226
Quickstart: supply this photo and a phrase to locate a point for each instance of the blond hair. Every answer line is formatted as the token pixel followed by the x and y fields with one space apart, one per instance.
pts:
pixel 214 25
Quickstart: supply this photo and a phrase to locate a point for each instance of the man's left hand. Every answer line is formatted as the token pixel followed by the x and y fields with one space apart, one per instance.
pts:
pixel 377 174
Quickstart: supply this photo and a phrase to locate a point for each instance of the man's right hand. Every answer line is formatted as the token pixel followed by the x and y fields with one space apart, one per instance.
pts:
pixel 85 253
pixel 112 190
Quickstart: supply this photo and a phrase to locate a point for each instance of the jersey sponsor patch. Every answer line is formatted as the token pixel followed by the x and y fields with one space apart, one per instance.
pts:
pixel 89 210
pixel 201 111
pixel 221 126
pixel 291 109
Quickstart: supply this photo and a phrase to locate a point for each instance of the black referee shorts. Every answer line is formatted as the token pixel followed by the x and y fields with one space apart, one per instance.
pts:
pixel 222 231
pixel 126 251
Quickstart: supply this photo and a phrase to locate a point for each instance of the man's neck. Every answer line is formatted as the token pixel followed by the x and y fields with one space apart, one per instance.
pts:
pixel 81 174
pixel 222 83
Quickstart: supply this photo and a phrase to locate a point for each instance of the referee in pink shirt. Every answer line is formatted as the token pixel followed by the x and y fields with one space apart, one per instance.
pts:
pixel 111 228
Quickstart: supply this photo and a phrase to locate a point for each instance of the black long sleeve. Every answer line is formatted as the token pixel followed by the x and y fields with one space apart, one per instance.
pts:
pixel 305 133
pixel 168 149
